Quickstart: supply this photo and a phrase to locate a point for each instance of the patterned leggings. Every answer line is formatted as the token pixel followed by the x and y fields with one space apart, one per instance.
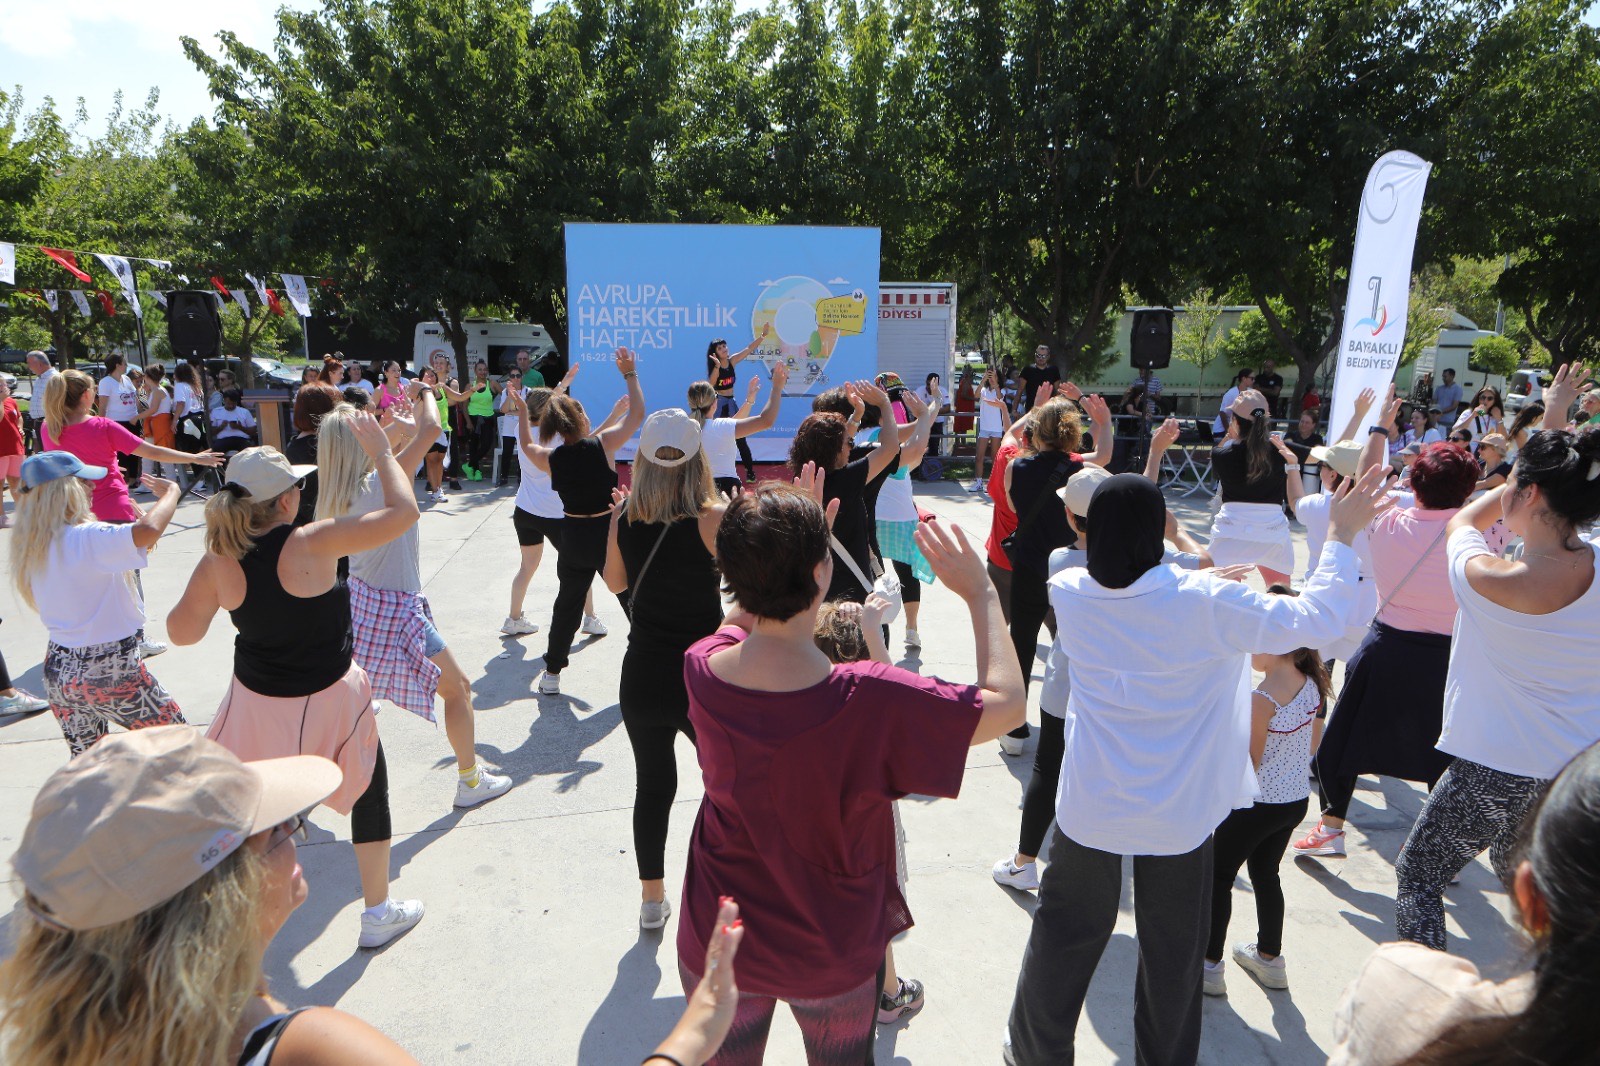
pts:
pixel 837 1031
pixel 91 688
pixel 1472 809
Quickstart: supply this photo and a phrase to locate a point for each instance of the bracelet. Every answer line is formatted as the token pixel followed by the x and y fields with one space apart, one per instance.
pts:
pixel 1291 466
pixel 663 1056
pixel 1378 429
pixel 625 377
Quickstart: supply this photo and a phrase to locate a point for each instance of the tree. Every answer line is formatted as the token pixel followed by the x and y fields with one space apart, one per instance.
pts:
pixel 1196 334
pixel 1424 320
pixel 1495 354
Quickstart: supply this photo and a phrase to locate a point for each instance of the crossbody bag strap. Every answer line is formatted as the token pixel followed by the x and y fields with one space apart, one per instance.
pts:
pixel 839 550
pixel 1443 528
pixel 648 559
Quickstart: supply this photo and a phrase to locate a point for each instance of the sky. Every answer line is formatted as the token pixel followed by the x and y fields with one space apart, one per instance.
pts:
pixel 65 49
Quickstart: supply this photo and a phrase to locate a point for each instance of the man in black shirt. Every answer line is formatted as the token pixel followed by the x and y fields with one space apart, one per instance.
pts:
pixel 1042 371
pixel 1270 383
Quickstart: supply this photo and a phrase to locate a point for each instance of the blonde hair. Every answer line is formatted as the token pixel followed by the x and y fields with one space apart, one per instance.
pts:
pixel 668 493
pixel 342 464
pixel 702 399
pixel 234 522
pixel 838 634
pixel 42 513
pixel 61 398
pixel 168 986
pixel 1056 426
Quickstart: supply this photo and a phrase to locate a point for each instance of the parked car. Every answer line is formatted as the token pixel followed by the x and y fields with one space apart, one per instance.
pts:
pixel 1525 386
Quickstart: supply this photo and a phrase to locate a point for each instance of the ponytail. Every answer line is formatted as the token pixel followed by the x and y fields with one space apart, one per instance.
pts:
pixel 1258 448
pixel 1308 660
pixel 563 416
pixel 234 522
pixel 61 398
pixel 702 400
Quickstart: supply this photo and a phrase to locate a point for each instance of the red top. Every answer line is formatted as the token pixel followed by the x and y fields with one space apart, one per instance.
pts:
pixel 796 822
pixel 10 428
pixel 1004 522
pixel 97 441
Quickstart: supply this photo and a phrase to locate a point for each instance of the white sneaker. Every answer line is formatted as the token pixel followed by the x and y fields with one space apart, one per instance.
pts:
pixel 517 626
pixel 489 786
pixel 23 703
pixel 550 684
pixel 593 626
pixel 402 915
pixel 653 914
pixel 149 648
pixel 1216 984
pixel 1011 745
pixel 1272 973
pixel 1024 877
pixel 913 639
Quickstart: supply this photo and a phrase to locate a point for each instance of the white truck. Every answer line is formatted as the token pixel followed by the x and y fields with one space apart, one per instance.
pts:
pixel 917 330
pixel 489 339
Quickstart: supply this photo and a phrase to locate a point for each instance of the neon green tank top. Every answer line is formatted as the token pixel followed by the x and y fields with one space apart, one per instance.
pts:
pixel 481 404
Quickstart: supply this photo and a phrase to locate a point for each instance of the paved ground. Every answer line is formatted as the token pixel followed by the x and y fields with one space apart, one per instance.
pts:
pixel 531 953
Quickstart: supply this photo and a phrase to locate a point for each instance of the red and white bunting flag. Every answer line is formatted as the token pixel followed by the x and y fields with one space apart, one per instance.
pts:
pixel 68 261
pixel 82 301
pixel 105 301
pixel 274 304
pixel 216 280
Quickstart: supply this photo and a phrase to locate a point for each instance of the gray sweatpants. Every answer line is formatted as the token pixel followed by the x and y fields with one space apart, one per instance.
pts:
pixel 1077 912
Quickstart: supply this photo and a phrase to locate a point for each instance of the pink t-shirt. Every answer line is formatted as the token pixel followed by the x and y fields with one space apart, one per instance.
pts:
pixel 796 823
pixel 1399 537
pixel 98 441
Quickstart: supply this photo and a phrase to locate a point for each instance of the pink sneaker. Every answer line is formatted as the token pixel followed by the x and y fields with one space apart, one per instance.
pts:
pixel 1321 841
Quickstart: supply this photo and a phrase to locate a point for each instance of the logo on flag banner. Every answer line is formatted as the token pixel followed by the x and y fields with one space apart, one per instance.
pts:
pixel 1374 329
pixel 124 272
pixel 81 300
pixel 105 301
pixel 8 263
pixel 52 300
pixel 294 286
pixel 261 290
pixel 242 300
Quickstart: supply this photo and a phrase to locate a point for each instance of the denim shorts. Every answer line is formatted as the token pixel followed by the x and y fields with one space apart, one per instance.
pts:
pixel 432 642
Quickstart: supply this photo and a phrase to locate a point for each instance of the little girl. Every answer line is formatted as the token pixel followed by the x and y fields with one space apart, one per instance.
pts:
pixel 1284 731
pixel 848 633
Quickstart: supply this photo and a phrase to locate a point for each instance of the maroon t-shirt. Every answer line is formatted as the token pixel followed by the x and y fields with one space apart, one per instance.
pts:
pixel 796 823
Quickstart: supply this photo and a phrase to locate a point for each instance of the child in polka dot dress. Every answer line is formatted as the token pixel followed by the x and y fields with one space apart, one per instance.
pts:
pixel 1285 726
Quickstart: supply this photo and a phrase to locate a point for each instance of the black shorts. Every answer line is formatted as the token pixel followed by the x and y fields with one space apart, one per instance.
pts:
pixel 437 447
pixel 531 529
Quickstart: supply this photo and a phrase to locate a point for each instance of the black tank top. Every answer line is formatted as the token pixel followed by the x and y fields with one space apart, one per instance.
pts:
pixel 581 477
pixel 288 646
pixel 1030 476
pixel 1232 465
pixel 725 376
pixel 677 602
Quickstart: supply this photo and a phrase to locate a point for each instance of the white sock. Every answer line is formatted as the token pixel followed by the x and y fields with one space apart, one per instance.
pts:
pixel 380 912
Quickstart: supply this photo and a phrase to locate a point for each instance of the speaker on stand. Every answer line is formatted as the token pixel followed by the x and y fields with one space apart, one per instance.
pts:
pixel 1149 348
pixel 194 330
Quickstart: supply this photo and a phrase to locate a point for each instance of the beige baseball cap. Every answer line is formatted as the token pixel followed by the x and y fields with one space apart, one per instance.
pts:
pixel 141 816
pixel 671 428
pixel 1344 457
pixel 263 472
pixel 1079 489
pixel 1248 403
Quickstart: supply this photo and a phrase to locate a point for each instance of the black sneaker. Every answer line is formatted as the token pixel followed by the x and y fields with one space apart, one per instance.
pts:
pixel 455 485
pixel 907 1001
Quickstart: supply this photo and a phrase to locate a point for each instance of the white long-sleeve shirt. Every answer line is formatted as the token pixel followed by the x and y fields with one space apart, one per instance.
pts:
pixel 1158 721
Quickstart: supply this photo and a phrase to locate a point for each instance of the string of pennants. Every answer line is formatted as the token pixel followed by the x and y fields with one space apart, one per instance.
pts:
pixel 294 285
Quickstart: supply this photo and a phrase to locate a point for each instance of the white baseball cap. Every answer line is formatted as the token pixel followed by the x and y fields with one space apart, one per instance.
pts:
pixel 1079 489
pixel 671 428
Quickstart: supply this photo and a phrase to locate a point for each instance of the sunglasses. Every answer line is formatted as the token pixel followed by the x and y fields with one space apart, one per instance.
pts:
pixel 293 829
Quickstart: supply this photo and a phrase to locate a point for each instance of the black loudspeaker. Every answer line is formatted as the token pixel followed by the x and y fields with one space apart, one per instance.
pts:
pixel 194 329
pixel 1150 346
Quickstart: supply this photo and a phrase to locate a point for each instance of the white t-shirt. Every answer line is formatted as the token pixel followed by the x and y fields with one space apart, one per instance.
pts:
pixel 1053 693
pixel 535 494
pixel 989 421
pixel 183 393
pixel 122 398
pixel 508 422
pixel 929 400
pixel 232 423
pixel 364 385
pixel 717 439
pixel 1158 721
pixel 1519 697
pixel 85 593
pixel 1227 402
pixel 36 398
pixel 1312 511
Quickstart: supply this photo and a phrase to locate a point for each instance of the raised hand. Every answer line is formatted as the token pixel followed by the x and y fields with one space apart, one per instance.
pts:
pixel 208 459
pixel 1070 391
pixel 1041 395
pixel 1358 502
pixel 914 405
pixel 858 406
pixel 369 435
pixel 870 614
pixel 565 384
pixel 1391 408
pixel 1569 381
pixel 158 485
pixel 1165 435
pixel 780 376
pixel 1365 399
pixel 870 393
pixel 627 362
pixel 1095 406
pixel 810 481
pixel 1283 449
pixel 752 389
pixel 953 559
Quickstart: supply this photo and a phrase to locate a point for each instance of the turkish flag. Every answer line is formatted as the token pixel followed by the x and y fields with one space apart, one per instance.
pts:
pixel 217 281
pixel 273 303
pixel 105 301
pixel 68 261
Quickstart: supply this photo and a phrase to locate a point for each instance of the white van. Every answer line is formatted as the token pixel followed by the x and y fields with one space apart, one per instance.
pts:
pixel 1525 386
pixel 489 339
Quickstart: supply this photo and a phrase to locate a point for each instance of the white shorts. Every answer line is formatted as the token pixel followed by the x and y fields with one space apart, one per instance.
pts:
pixel 1255 534
pixel 990 434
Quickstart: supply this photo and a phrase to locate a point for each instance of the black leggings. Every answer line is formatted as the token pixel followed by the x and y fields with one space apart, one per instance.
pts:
pixel 1255 837
pixel 655 709
pixel 5 675
pixel 508 460
pixel 1030 603
pixel 581 557
pixel 127 461
pixel 369 818
pixel 910 587
pixel 1039 802
pixel 483 434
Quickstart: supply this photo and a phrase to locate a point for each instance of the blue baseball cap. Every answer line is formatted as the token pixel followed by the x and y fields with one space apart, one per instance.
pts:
pixel 48 466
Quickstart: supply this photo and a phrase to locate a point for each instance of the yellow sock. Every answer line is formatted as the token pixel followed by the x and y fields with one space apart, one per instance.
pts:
pixel 469 776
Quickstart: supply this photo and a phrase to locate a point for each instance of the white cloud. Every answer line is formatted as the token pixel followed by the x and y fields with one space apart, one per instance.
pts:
pixel 838 281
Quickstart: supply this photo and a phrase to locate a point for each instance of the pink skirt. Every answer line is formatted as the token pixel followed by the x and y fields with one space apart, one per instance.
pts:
pixel 337 723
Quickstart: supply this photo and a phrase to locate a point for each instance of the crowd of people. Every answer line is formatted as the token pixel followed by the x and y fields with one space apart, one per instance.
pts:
pixel 1458 591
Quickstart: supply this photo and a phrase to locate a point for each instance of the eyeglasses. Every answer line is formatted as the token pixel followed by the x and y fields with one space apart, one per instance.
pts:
pixel 294 828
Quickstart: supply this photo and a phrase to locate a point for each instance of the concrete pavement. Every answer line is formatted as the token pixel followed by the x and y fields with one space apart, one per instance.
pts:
pixel 531 952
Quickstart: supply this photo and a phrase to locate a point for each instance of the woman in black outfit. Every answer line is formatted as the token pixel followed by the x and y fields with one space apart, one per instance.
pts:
pixel 1251 528
pixel 311 402
pixel 583 471
pixel 661 556
pixel 720 372
pixel 1033 483
pixel 1300 441
pixel 824 439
